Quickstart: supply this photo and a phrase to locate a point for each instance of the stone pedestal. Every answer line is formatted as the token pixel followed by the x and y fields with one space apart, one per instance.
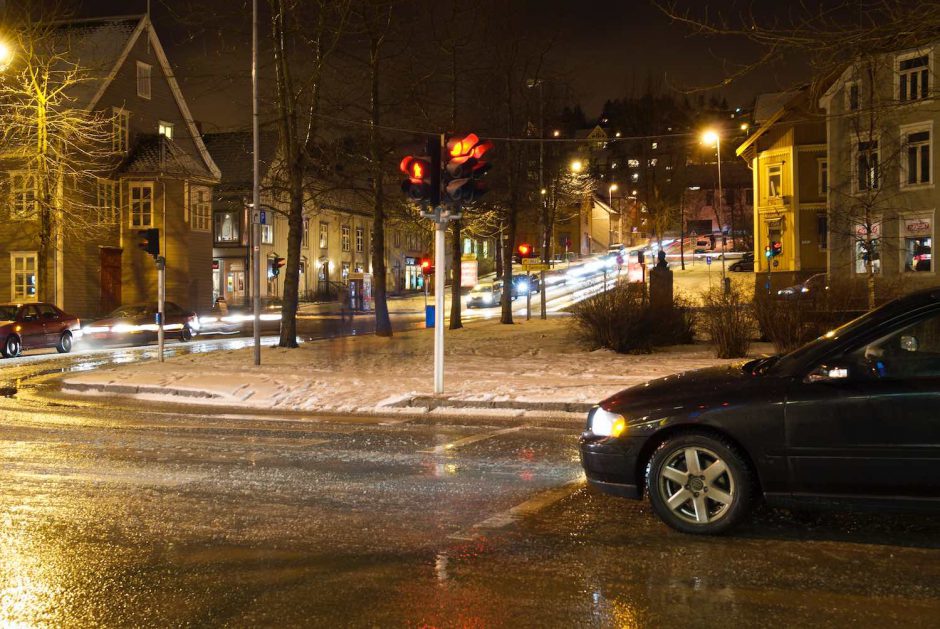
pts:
pixel 660 288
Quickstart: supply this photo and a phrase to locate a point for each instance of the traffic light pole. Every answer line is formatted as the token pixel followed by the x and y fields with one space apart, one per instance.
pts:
pixel 439 274
pixel 255 190
pixel 161 299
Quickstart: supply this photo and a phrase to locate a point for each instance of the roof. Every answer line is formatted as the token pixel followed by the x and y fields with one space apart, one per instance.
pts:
pixel 158 154
pixel 766 105
pixel 232 150
pixel 784 103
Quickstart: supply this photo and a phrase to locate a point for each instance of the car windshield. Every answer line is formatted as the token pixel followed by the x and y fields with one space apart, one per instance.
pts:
pixel 8 313
pixel 482 288
pixel 134 310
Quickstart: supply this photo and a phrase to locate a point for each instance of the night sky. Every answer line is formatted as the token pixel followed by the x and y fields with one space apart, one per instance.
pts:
pixel 607 49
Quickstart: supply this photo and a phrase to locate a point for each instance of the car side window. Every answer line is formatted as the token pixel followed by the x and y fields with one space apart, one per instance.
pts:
pixel 912 352
pixel 30 313
pixel 48 312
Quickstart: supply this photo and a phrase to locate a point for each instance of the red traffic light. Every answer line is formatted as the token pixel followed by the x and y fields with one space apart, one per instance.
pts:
pixel 426 266
pixel 416 169
pixel 462 147
pixel 524 250
pixel 776 248
pixel 149 241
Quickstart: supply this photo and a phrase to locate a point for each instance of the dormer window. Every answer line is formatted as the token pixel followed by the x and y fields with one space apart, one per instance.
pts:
pixel 120 124
pixel 143 80
pixel 165 129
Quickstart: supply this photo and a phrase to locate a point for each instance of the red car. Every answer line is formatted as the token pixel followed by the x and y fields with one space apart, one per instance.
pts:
pixel 35 326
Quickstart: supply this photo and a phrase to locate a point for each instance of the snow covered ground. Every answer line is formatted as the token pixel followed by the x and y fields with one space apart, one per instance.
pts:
pixel 527 367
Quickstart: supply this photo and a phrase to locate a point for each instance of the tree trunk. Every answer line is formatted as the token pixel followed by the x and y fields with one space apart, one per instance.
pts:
pixel 383 323
pixel 506 315
pixel 295 229
pixel 455 322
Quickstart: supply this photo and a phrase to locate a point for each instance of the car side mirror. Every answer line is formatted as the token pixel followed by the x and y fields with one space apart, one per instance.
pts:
pixel 827 373
pixel 909 343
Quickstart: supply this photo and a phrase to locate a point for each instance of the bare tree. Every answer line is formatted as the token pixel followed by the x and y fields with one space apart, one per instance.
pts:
pixel 53 145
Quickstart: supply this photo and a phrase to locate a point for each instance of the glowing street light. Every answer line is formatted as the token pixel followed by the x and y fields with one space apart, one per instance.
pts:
pixel 556 133
pixel 710 137
pixel 610 194
pixel 576 166
pixel 6 56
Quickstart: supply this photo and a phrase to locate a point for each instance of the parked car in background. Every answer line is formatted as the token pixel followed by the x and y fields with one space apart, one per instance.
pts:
pixel 814 287
pixel 136 324
pixel 36 326
pixel 745 264
pixel 851 418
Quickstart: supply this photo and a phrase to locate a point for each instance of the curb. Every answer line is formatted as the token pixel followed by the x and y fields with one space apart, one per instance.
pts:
pixel 127 389
pixel 430 403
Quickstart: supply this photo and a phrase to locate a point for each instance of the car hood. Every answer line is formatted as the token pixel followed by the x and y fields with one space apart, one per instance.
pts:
pixel 4 323
pixel 699 389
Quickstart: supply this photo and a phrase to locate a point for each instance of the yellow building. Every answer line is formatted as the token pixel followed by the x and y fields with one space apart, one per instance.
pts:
pixel 787 157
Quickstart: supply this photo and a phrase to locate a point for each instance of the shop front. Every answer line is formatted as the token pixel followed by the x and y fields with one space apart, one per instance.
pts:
pixel 414 278
pixel 229 280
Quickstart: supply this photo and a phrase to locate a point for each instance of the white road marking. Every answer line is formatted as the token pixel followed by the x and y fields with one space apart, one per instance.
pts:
pixel 453 445
pixel 522 510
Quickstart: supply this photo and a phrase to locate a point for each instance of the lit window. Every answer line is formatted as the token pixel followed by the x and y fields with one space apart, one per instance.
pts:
pixel 141 204
pixel 199 208
pixel 267 234
pixel 23 278
pixel 867 165
pixel 360 239
pixel 143 80
pixel 23 189
pixel 344 230
pixel 915 164
pixel 165 129
pixel 227 226
pixel 913 78
pixel 324 235
pixel 120 125
pixel 917 241
pixel 868 248
pixel 107 202
pixel 774 181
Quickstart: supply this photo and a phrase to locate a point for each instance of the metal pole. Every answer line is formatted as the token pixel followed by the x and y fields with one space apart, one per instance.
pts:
pixel 439 262
pixel 682 229
pixel 255 189
pixel 161 297
pixel 528 299
pixel 724 280
pixel 544 314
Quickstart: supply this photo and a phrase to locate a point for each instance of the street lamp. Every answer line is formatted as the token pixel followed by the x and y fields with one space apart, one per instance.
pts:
pixel 610 195
pixel 710 137
pixel 6 56
pixel 576 166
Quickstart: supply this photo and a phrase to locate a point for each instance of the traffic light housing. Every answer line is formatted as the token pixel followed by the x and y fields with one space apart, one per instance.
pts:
pixel 426 267
pixel 277 263
pixel 776 248
pixel 465 167
pixel 524 250
pixel 423 175
pixel 149 241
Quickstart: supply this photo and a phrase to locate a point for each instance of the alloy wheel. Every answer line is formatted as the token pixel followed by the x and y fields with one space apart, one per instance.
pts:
pixel 697 485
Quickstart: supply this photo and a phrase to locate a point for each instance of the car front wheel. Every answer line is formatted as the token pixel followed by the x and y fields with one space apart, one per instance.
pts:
pixel 700 484
pixel 64 346
pixel 10 347
pixel 186 334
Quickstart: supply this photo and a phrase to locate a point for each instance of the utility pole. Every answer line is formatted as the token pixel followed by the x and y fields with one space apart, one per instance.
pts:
pixel 255 190
pixel 161 303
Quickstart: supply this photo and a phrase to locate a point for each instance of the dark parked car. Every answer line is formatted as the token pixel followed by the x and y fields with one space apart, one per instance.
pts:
pixel 137 324
pixel 814 287
pixel 745 264
pixel 35 326
pixel 852 417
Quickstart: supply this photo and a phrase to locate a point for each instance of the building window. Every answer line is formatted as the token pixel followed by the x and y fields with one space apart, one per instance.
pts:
pixel 823 177
pixel 486 248
pixel 324 235
pixel 467 246
pixel 398 238
pixel 107 202
pixel 345 271
pixel 227 227
pixel 143 80
pixel 915 165
pixel 868 248
pixel 345 237
pixel 141 204
pixel 165 129
pixel 917 242
pixel 199 208
pixel 267 234
pixel 851 95
pixel 867 165
pixel 360 237
pixel 775 181
pixel 23 189
pixel 120 125
pixel 23 265
pixel 912 78
pixel 306 238
pixel 822 231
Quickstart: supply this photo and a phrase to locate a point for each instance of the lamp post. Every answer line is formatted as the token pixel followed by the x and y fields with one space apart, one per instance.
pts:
pixel 610 202
pixel 711 137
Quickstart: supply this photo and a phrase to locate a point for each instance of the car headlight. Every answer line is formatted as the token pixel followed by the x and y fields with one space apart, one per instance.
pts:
pixel 606 424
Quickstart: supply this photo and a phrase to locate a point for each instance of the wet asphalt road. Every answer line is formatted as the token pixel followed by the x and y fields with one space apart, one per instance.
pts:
pixel 116 514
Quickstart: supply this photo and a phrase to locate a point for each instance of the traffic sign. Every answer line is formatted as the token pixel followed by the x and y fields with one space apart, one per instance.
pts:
pixel 530 261
pixel 708 259
pixel 259 217
pixel 536 267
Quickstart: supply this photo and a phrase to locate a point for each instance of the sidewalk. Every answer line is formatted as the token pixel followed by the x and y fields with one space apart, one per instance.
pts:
pixel 534 367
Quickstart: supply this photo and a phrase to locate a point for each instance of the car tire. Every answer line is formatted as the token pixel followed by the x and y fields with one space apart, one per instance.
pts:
pixel 64 346
pixel 685 469
pixel 186 334
pixel 11 346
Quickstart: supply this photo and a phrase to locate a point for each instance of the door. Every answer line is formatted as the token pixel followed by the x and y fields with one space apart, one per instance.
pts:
pixel 869 423
pixel 52 325
pixel 31 330
pixel 235 287
pixel 110 297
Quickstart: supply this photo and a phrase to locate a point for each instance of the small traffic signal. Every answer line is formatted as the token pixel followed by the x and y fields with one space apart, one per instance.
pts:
pixel 423 182
pixel 776 248
pixel 149 241
pixel 524 250
pixel 276 264
pixel 465 167
pixel 426 266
